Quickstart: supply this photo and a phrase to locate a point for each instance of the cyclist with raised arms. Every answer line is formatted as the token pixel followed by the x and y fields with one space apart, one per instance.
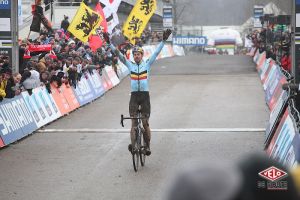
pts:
pixel 139 74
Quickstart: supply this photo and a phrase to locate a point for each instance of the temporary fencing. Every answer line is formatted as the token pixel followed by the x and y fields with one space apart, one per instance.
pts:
pixel 26 113
pixel 282 141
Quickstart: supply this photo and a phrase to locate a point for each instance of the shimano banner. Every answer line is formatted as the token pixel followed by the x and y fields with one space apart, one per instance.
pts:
pixel 16 120
pixel 190 40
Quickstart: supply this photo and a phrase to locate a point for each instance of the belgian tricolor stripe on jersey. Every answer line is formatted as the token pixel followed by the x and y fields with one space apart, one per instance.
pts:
pixel 139 76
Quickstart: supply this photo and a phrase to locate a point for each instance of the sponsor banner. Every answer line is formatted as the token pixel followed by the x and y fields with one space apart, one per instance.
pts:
pixel 266 77
pixel 49 104
pixel 96 83
pixel 255 58
pixel 111 75
pixel 275 114
pixel 60 100
pixel 273 84
pixel 285 144
pixel 16 120
pixel 39 48
pixel 190 40
pixel 275 97
pixel 83 92
pixel 122 70
pixel 42 115
pixel 258 58
pixel 70 97
pixel 261 60
pixel 107 85
pixel 269 77
pixel 264 69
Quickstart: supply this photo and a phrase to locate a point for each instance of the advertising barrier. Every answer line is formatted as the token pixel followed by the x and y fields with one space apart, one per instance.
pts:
pixel 282 137
pixel 264 70
pixel 96 83
pixel 274 86
pixel 40 113
pixel 255 57
pixel 84 92
pixel 70 97
pixel 261 60
pixel 107 84
pixel 110 74
pixel 16 120
pixel 60 100
pixel 285 145
pixel 122 71
pixel 275 115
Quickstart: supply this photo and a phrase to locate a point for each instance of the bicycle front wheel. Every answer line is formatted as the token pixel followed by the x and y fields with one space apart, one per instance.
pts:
pixel 135 159
pixel 143 151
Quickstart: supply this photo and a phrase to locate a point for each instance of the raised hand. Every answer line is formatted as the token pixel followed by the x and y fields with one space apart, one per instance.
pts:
pixel 166 34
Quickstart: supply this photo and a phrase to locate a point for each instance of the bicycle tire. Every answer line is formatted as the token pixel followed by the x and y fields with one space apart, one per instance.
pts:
pixel 136 154
pixel 142 153
pixel 135 161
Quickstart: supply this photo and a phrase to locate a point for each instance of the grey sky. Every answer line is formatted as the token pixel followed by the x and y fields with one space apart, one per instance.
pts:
pixel 221 12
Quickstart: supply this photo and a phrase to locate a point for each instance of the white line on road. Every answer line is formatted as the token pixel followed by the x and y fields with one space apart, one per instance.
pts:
pixel 207 130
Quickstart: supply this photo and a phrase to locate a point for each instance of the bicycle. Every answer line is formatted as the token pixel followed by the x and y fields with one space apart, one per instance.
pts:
pixel 138 149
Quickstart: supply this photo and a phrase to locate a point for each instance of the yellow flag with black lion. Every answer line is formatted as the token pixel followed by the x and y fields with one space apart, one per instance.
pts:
pixel 84 22
pixel 138 19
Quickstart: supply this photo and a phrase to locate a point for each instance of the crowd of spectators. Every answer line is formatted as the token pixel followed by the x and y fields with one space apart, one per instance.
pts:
pixel 66 62
pixel 276 42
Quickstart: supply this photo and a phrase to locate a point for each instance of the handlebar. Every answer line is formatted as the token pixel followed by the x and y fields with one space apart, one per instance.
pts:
pixel 122 119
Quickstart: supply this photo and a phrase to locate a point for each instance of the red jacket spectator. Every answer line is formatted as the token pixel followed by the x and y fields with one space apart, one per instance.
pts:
pixel 286 63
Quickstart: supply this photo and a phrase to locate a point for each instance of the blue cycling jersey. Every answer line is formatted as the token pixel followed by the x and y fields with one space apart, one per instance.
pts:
pixel 139 73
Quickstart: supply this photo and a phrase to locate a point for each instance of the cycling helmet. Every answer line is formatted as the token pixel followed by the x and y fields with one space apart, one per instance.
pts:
pixel 138 49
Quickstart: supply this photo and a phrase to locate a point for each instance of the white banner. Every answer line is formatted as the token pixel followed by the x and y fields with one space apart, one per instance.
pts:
pixel 111 18
pixel 113 5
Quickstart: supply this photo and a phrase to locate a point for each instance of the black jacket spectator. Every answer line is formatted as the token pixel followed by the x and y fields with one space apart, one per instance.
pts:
pixel 65 23
pixel 9 90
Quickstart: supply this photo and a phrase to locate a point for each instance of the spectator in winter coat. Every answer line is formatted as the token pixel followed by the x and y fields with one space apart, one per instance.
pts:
pixel 12 88
pixel 30 78
pixel 43 64
pixel 65 23
pixel 2 87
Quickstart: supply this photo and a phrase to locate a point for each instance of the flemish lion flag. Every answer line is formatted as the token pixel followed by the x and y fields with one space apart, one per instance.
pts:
pixel 138 19
pixel 84 23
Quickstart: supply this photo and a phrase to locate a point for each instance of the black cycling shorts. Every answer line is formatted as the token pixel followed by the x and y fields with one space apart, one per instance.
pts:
pixel 140 99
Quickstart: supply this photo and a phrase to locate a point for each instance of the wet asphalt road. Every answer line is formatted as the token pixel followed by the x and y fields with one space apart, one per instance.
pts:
pixel 189 93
